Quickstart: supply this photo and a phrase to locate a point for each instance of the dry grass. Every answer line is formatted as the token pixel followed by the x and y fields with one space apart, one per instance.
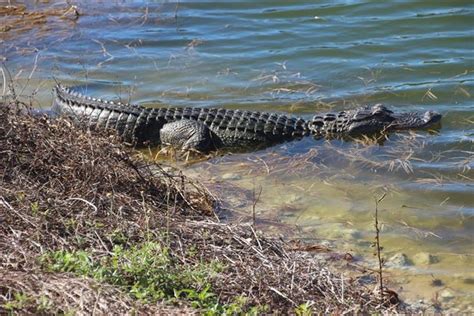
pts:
pixel 19 19
pixel 66 189
pixel 56 293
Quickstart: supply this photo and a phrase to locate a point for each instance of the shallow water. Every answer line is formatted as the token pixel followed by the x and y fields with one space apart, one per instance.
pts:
pixel 300 58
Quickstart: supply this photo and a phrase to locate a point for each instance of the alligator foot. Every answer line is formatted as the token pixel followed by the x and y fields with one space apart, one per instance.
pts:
pixel 187 135
pixel 188 156
pixel 168 152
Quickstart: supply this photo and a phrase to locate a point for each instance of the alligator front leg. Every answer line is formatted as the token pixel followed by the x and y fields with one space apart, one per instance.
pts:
pixel 188 135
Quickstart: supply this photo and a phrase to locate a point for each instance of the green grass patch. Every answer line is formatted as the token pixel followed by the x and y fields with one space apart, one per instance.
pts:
pixel 148 273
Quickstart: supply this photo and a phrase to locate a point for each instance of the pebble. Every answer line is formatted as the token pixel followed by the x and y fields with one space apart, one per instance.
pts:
pixel 288 214
pixel 292 198
pixel 231 176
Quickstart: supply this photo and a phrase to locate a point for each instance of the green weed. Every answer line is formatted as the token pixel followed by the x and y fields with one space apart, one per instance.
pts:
pixel 19 301
pixel 34 208
pixel 304 309
pixel 146 271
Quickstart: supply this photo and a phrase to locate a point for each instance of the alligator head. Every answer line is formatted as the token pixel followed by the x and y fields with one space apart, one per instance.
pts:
pixel 373 119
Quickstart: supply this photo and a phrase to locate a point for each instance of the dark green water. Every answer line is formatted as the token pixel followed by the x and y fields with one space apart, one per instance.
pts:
pixel 298 57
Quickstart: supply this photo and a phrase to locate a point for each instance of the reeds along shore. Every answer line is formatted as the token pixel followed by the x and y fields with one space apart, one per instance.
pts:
pixel 86 226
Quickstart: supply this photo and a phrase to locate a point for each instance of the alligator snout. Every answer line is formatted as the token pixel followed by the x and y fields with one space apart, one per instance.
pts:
pixel 414 120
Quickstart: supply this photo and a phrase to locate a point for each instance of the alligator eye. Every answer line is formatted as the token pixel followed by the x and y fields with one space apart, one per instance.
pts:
pixel 379 107
pixel 381 113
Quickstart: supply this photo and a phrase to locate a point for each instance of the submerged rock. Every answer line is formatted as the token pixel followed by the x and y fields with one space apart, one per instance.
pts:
pixel 468 280
pixel 292 198
pixel 352 234
pixel 231 176
pixel 437 282
pixel 424 258
pixel 446 295
pixel 338 231
pixel 399 260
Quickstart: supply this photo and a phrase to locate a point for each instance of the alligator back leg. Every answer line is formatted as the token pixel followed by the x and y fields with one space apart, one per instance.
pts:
pixel 188 135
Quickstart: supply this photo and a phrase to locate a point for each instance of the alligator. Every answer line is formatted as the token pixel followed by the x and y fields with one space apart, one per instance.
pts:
pixel 208 129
